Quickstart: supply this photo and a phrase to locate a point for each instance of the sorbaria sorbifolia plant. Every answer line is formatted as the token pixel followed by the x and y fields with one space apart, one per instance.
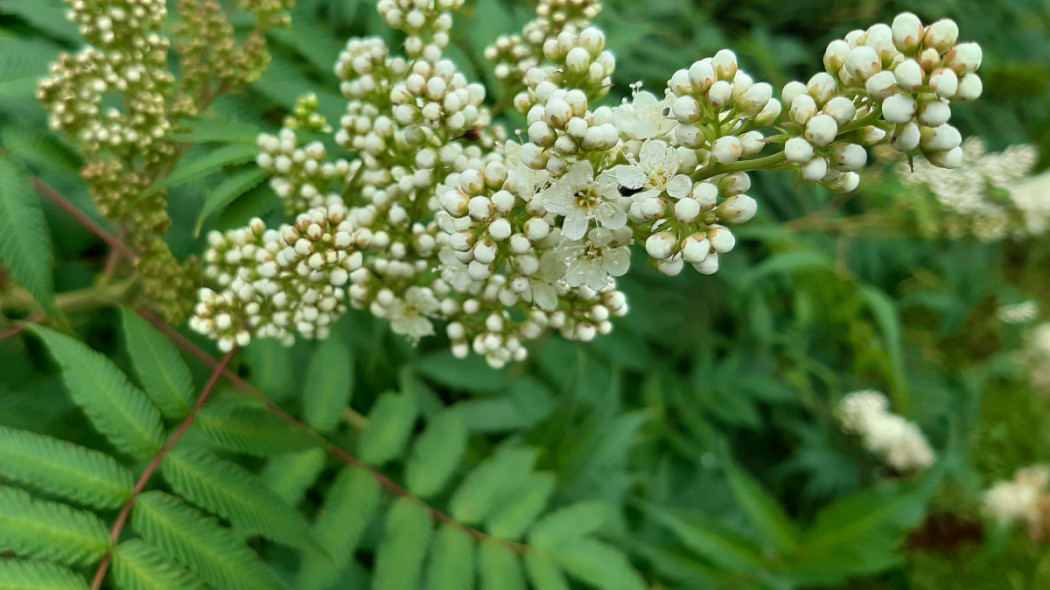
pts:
pixel 119 100
pixel 431 213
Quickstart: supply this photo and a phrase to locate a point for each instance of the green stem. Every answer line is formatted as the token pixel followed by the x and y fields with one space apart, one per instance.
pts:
pixel 771 162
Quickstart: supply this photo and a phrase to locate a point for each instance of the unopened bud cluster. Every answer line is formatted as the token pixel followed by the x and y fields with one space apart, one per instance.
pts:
pixel 991 196
pixel 1023 500
pixel 895 441
pixel 507 240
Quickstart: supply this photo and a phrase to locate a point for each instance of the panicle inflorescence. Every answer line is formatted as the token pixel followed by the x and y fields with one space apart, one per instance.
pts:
pixel 1024 499
pixel 508 240
pixel 897 442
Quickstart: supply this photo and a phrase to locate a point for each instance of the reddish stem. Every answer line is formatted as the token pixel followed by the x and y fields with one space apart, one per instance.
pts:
pixel 114 243
pixel 15 330
pixel 122 518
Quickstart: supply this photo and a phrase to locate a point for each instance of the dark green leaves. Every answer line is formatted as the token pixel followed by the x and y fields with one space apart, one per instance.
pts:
pixel 17 574
pixel 160 368
pixel 25 244
pixel 251 429
pixel 388 428
pixel 436 454
pixel 48 530
pixel 489 483
pixel 406 537
pixel 328 385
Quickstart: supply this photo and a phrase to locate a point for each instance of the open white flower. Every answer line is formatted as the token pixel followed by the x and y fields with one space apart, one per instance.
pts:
pixel 580 197
pixel 592 261
pixel 654 172
pixel 644 117
pixel 408 316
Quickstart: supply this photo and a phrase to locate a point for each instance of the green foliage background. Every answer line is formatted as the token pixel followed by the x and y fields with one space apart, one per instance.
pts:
pixel 692 448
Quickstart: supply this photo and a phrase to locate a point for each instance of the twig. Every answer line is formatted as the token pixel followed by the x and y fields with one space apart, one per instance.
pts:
pixel 20 327
pixel 50 194
pixel 122 518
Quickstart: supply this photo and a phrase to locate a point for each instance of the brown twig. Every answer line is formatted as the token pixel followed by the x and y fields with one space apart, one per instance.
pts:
pixel 20 327
pixel 112 241
pixel 333 450
pixel 122 518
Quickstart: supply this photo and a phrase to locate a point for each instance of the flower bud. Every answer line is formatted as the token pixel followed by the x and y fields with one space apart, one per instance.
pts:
pixel 727 149
pixel 686 210
pixel 722 240
pixel 940 139
pixel 814 170
pixel 964 58
pixel 934 113
pixel 695 248
pixel 845 183
pixel 720 93
pixel 792 90
pixel 905 137
pixel 769 114
pixel 848 156
pixel 685 109
pixel 660 245
pixel 709 266
pixel 881 85
pixel 737 209
pixel 798 150
pixel 821 130
pixel 835 56
pixel 754 99
pixel 899 108
pixel 706 194
pixel 803 108
pixel 541 134
pixel 910 75
pixel 863 62
pixel 841 108
pixel 970 88
pixel 907 32
pixel 952 158
pixel 701 76
pixel 578 60
pixel 944 82
pixel 725 65
pixel 941 35
pixel 822 86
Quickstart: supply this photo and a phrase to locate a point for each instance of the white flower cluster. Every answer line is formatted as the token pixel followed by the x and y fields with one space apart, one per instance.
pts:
pixel 1018 313
pixel 1024 499
pixel 897 442
pixel 509 240
pixel 991 196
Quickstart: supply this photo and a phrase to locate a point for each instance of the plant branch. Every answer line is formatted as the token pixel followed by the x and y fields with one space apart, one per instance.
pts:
pixel 15 330
pixel 122 518
pixel 112 241
pixel 332 449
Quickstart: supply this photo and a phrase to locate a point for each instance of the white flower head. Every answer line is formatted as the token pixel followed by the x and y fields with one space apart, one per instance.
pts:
pixel 522 180
pixel 580 197
pixel 592 261
pixel 408 315
pixel 654 172
pixel 644 117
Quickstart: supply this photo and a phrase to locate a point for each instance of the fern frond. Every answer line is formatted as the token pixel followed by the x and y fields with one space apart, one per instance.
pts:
pixel 71 471
pixel 436 454
pixel 251 429
pixel 348 507
pixel 571 522
pixel 30 527
pixel 25 244
pixel 201 164
pixel 137 565
pixel 400 556
pixel 200 544
pixel 389 425
pixel 543 572
pixel 118 409
pixel 490 482
pixel 19 574
pixel 451 564
pixel 228 490
pixel 233 187
pixel 522 506
pixel 599 565
pixel 291 475
pixel 160 368
pixel 329 384
pixel 499 568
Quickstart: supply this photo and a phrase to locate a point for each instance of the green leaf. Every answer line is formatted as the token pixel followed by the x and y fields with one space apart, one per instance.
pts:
pixel 451 560
pixel 436 454
pixel 251 429
pixel 761 507
pixel 389 426
pixel 160 368
pixel 889 321
pixel 25 243
pixel 227 192
pixel 292 474
pixel 400 556
pixel 470 374
pixel 489 483
pixel 328 385
pixel 347 510
pixel 599 564
pixel 118 409
pixel 48 16
pixel 62 468
pixel 199 543
pixel 219 129
pixel 137 565
pixel 708 537
pixel 203 164
pixel 48 530
pixel 233 493
pixel 543 572
pixel 18 574
pixel 569 523
pixel 788 263
pixel 499 568
pixel 522 507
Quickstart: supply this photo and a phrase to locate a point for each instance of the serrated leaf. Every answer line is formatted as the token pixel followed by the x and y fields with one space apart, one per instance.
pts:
pixel 389 426
pixel 233 493
pixel 20 574
pixel 30 527
pixel 25 244
pixel 451 565
pixel 522 507
pixel 490 482
pixel 599 565
pixel 328 386
pixel 137 565
pixel 228 191
pixel 160 368
pixel 203 164
pixel 251 429
pixel 118 409
pixel 761 507
pixel 62 468
pixel 708 537
pixel 292 474
pixel 543 572
pixel 436 454
pixel 499 568
pixel 568 523
pixel 399 560
pixel 347 510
